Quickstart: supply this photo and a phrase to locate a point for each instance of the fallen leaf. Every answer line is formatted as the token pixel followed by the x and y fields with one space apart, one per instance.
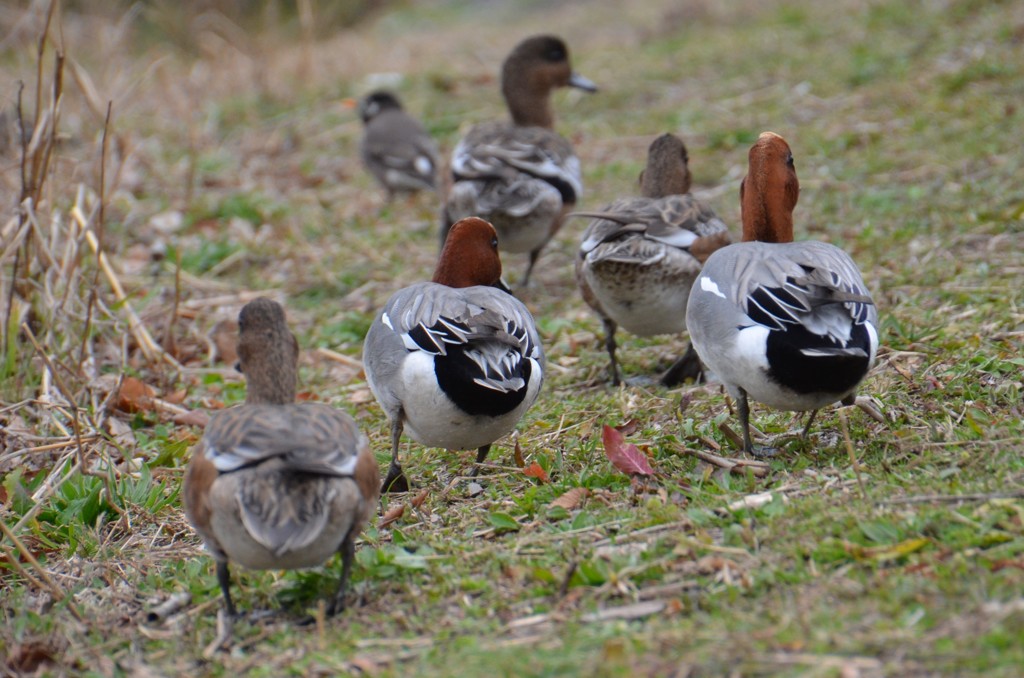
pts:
pixel 306 396
pixel 135 396
pixel 393 514
pixel 572 498
pixel 624 456
pixel 517 455
pixel 418 500
pixel 176 397
pixel 535 470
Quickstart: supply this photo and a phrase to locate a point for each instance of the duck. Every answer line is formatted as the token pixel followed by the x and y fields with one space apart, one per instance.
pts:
pixel 455 362
pixel 520 174
pixel 639 256
pixel 275 484
pixel 790 325
pixel 395 148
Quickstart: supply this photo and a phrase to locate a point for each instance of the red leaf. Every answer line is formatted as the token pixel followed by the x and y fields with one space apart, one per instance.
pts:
pixel 177 397
pixel 535 470
pixel 572 498
pixel 135 396
pixel 393 514
pixel 418 500
pixel 625 457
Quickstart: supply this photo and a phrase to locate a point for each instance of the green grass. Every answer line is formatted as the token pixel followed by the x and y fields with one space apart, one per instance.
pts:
pixel 903 118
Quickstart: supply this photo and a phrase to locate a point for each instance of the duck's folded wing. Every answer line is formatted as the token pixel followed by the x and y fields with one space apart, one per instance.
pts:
pixel 308 437
pixel 498 151
pixel 285 513
pixel 813 284
pixel 677 221
pixel 432 318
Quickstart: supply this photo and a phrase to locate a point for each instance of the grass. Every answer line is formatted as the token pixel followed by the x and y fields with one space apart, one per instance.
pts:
pixel 241 165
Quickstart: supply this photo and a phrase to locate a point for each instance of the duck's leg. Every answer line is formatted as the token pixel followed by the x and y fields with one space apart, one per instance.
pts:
pixel 685 368
pixel 609 344
pixel 224 579
pixel 348 552
pixel 481 455
pixel 743 409
pixel 395 480
pixel 534 255
pixel 807 426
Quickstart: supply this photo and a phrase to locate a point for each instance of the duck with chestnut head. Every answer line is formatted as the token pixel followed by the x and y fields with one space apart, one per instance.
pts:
pixel 455 362
pixel 788 324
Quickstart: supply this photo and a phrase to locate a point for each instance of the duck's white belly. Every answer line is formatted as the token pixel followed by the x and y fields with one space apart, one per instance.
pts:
pixel 433 420
pixel 744 364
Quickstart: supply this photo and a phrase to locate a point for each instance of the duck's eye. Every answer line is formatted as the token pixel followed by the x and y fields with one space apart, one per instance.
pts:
pixel 789 161
pixel 238 367
pixel 494 243
pixel 555 54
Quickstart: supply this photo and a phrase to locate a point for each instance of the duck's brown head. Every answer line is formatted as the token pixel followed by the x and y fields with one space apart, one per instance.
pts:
pixel 536 66
pixel 770 191
pixel 268 354
pixel 470 255
pixel 667 171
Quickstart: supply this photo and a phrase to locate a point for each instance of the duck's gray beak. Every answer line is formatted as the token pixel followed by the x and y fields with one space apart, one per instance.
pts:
pixel 578 81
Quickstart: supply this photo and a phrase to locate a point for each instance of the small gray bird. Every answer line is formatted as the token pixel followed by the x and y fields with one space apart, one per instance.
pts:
pixel 396 148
